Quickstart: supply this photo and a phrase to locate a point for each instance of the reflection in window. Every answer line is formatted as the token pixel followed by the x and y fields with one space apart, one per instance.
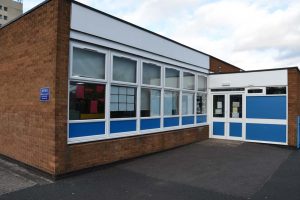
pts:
pixel 87 101
pixel 236 105
pixel 172 78
pixel 188 81
pixel 201 103
pixel 219 104
pixel 187 104
pixel 124 69
pixel 122 102
pixel 88 64
pixel 171 103
pixel 276 90
pixel 151 74
pixel 202 83
pixel 150 102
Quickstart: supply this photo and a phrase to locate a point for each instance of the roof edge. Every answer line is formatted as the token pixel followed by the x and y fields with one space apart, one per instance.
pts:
pixel 259 70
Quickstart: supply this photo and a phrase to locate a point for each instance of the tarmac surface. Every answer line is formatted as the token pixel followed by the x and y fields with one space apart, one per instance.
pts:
pixel 212 169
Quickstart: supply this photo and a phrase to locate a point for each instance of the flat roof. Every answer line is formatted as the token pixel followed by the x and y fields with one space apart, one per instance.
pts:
pixel 258 70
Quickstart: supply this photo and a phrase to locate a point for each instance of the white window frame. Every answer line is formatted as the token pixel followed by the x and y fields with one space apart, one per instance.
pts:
pixel 116 54
pixel 108 82
pixel 88 48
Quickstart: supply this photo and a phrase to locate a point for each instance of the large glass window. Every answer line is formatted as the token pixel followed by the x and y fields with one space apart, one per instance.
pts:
pixel 201 103
pixel 172 78
pixel 124 69
pixel 171 103
pixel 188 81
pixel 122 102
pixel 187 104
pixel 202 83
pixel 151 74
pixel 150 102
pixel 87 101
pixel 88 64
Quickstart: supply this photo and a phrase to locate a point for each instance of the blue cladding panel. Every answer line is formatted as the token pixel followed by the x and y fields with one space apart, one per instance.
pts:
pixel 172 121
pixel 298 138
pixel 218 128
pixel 235 129
pixel 266 132
pixel 150 123
pixel 122 126
pixel 266 107
pixel 188 120
pixel 86 129
pixel 201 119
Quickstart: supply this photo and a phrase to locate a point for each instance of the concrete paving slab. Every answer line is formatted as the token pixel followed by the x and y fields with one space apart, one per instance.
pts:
pixel 14 177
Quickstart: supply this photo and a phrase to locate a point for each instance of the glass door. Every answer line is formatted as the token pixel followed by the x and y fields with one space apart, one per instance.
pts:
pixel 219 115
pixel 235 117
pixel 227 116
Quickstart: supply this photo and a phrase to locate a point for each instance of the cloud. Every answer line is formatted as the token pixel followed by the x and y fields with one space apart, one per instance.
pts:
pixel 251 34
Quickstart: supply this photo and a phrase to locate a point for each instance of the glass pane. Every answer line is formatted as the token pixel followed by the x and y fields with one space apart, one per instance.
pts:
pixel 202 83
pixel 276 90
pixel 87 101
pixel 151 74
pixel 172 78
pixel 188 81
pixel 236 105
pixel 255 91
pixel 88 64
pixel 124 69
pixel 123 102
pixel 171 103
pixel 150 102
pixel 219 105
pixel 201 103
pixel 187 104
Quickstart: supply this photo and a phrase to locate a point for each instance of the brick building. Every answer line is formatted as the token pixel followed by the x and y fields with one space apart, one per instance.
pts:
pixel 90 89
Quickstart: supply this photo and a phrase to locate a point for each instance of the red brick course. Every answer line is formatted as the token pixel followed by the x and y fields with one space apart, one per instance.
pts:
pixel 219 66
pixel 293 104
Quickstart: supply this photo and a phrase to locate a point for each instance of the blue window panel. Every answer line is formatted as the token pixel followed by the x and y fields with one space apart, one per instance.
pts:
pixel 266 132
pixel 201 119
pixel 172 121
pixel 218 128
pixel 188 120
pixel 150 123
pixel 122 126
pixel 235 129
pixel 266 107
pixel 86 129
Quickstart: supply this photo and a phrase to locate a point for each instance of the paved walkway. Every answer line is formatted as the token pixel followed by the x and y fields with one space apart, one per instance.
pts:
pixel 213 169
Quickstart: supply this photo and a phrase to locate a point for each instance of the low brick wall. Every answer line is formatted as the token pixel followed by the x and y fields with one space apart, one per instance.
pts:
pixel 81 156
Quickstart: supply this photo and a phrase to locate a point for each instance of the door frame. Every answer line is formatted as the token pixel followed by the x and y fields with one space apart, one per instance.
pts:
pixel 226 119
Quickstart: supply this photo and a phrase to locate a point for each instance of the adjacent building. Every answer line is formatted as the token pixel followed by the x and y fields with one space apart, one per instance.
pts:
pixel 90 89
pixel 10 10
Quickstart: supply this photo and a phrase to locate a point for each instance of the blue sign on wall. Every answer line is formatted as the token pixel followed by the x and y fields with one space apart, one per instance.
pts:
pixel 44 94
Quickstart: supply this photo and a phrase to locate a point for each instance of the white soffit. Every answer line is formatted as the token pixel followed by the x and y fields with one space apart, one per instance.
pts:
pixel 95 23
pixel 249 79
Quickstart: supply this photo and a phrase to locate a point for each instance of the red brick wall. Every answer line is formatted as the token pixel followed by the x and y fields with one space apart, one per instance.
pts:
pixel 80 156
pixel 293 104
pixel 28 60
pixel 219 66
